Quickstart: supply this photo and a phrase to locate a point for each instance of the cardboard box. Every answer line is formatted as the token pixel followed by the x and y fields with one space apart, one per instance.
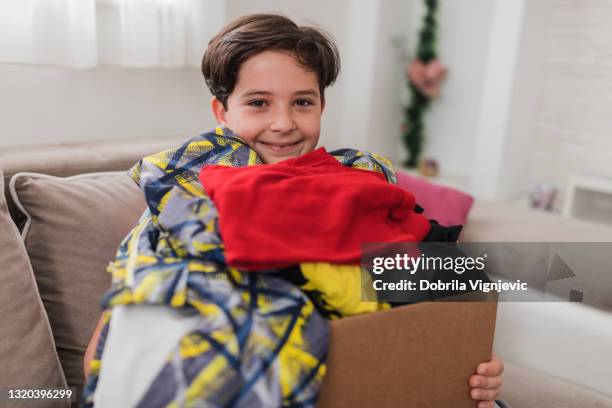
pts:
pixel 419 355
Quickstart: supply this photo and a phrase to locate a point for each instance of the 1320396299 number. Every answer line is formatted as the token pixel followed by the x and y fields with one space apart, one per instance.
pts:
pixel 9 394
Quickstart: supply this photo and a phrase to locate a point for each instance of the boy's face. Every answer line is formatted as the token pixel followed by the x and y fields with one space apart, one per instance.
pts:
pixel 275 106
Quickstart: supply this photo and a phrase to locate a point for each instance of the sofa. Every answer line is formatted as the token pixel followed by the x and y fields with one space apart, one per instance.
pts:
pixel 66 207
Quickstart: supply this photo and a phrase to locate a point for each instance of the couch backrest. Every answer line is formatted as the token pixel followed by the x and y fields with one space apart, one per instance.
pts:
pixel 69 159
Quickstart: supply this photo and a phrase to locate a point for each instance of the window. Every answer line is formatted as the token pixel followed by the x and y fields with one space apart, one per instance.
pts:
pixel 85 33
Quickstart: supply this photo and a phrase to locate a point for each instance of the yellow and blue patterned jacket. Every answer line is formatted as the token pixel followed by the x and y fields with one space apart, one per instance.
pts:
pixel 265 338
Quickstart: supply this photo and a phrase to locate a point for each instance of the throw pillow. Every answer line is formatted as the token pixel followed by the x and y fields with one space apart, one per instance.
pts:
pixel 443 204
pixel 72 230
pixel 27 351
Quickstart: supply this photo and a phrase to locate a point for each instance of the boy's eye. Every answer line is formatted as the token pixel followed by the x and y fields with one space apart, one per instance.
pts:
pixel 259 103
pixel 303 102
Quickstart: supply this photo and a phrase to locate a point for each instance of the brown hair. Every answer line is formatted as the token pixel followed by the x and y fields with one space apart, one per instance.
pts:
pixel 249 35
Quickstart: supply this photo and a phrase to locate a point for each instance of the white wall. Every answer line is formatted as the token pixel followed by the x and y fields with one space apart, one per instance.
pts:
pixel 522 105
pixel 362 26
pixel 571 127
pixel 556 120
pixel 44 104
pixel 388 86
pixel 452 123
pixel 494 150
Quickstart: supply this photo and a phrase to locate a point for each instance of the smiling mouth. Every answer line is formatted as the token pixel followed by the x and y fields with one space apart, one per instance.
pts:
pixel 280 146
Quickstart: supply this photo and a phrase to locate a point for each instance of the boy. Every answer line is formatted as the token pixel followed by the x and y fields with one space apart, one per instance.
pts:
pixel 268 77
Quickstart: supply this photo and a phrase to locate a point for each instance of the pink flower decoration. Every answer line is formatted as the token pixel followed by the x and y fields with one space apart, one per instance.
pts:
pixel 427 78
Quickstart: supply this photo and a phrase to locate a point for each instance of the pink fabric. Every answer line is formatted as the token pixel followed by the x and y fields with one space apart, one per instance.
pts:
pixel 443 204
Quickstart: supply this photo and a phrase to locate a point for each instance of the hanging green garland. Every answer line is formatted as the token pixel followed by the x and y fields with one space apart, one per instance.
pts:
pixel 424 76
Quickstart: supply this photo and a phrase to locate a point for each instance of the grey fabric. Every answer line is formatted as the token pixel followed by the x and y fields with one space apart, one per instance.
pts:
pixel 27 351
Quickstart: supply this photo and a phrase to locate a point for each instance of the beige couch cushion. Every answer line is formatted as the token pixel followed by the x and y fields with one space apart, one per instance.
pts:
pixel 73 228
pixel 499 222
pixel 27 351
pixel 525 388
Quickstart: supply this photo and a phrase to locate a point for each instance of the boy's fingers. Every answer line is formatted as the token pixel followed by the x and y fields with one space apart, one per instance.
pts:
pixel 487 383
pixel 491 368
pixel 485 404
pixel 484 395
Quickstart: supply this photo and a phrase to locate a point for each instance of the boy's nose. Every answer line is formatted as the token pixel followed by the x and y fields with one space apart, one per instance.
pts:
pixel 283 123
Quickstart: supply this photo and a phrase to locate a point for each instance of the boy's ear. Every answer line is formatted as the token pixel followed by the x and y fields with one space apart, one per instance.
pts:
pixel 218 110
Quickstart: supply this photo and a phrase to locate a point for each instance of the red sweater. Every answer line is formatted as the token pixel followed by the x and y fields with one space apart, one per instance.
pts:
pixel 307 209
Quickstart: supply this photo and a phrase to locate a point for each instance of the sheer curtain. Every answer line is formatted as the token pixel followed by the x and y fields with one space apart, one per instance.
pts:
pixel 86 33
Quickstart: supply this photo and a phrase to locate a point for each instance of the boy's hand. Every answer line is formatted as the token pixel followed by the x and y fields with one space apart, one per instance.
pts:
pixel 487 382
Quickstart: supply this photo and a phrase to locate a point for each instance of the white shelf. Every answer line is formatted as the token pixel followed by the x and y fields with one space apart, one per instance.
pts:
pixel 589 198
